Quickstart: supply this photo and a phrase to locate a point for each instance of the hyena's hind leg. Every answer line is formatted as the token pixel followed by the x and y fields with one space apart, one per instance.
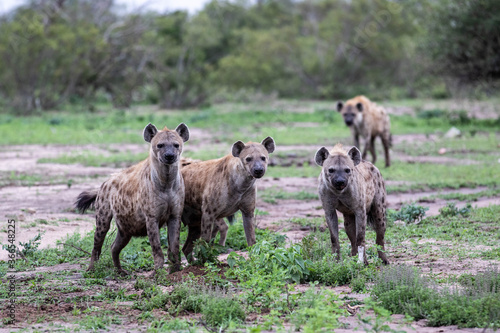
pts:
pixel 372 149
pixel 386 142
pixel 103 222
pixel 220 226
pixel 120 242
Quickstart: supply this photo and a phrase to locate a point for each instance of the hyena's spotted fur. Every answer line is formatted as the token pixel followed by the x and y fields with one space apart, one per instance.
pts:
pixel 217 189
pixel 357 190
pixel 142 199
pixel 369 120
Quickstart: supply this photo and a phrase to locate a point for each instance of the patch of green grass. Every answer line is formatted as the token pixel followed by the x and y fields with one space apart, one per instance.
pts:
pixel 172 325
pixel 313 222
pixel 491 254
pixel 306 171
pixel 272 194
pixel 217 306
pixel 481 146
pixel 437 176
pixel 318 310
pixel 403 289
pixel 88 158
pixel 14 178
pixel 470 197
pixel 460 233
pixel 98 322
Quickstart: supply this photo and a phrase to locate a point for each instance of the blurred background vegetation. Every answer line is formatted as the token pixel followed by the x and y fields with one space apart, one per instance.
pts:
pixel 57 53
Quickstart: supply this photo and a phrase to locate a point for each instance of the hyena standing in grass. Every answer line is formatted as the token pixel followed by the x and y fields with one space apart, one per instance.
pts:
pixel 142 199
pixel 217 189
pixel 357 190
pixel 369 120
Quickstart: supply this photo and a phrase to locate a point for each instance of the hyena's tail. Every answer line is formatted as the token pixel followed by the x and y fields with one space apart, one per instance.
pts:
pixel 85 200
pixel 390 140
pixel 230 219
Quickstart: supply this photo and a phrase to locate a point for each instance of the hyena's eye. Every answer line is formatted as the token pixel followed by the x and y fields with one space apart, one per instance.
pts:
pixel 263 158
pixel 176 145
pixel 347 170
pixel 248 159
pixel 331 170
pixel 160 145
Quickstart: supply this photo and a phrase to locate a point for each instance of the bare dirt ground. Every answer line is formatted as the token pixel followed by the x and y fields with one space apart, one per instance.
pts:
pixel 47 206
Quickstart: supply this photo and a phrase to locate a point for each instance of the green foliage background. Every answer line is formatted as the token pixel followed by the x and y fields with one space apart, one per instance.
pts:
pixel 54 53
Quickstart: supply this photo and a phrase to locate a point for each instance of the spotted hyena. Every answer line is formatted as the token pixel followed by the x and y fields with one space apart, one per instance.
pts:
pixel 357 190
pixel 369 120
pixel 142 199
pixel 216 189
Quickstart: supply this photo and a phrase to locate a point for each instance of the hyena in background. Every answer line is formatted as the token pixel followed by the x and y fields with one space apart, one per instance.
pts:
pixel 142 199
pixel 369 120
pixel 357 190
pixel 217 189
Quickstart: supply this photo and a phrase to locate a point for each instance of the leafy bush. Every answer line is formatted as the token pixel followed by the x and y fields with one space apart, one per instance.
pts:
pixel 410 213
pixel 264 276
pixel 267 256
pixel 451 210
pixel 206 252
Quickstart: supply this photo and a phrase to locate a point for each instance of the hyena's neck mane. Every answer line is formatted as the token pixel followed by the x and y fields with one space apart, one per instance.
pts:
pixel 241 177
pixel 164 177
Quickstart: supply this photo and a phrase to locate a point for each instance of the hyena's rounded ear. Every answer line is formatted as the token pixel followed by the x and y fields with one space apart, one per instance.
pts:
pixel 268 143
pixel 359 106
pixel 183 131
pixel 149 132
pixel 340 105
pixel 237 148
pixel 355 155
pixel 321 155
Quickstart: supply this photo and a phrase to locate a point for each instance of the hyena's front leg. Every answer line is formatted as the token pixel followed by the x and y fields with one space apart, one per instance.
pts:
pixel 350 229
pixel 333 226
pixel 174 229
pixel 153 230
pixel 360 216
pixel 248 211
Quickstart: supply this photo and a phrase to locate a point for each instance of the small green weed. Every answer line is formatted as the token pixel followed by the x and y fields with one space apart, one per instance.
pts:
pixel 318 310
pixel 451 210
pixel 410 213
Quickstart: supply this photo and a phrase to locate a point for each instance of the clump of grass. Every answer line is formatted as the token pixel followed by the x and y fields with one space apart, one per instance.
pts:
pixel 403 289
pixel 273 194
pixel 217 305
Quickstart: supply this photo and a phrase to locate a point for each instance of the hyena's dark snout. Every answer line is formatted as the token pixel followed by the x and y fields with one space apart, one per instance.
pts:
pixel 339 183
